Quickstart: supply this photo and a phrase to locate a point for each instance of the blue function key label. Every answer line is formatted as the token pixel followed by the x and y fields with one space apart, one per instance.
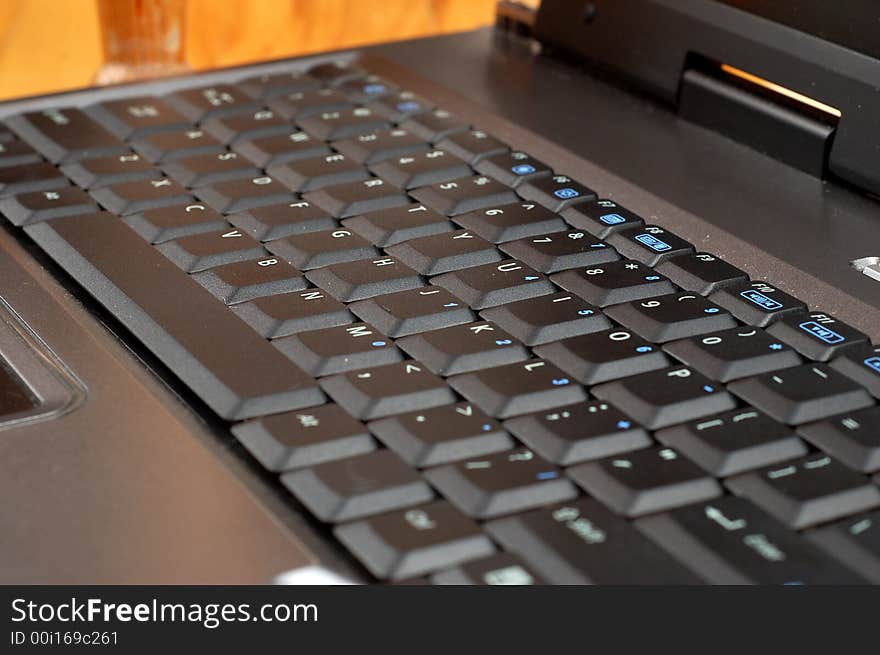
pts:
pixel 764 302
pixel 523 169
pixel 653 242
pixel 375 88
pixel 821 332
pixel 408 106
pixel 566 192
pixel 873 362
pixel 612 219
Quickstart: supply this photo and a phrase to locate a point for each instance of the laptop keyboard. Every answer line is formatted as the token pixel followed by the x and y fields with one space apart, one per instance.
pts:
pixel 472 368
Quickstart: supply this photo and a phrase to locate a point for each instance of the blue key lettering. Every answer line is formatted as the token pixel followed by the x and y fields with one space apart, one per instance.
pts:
pixel 873 362
pixel 612 219
pixel 821 332
pixel 762 301
pixel 565 193
pixel 653 242
pixel 523 169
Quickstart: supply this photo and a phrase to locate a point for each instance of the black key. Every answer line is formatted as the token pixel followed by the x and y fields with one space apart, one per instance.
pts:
pixel 730 541
pixel 853 438
pixel 316 172
pixel 665 397
pixel 378 146
pixel 133 197
pixel 614 282
pixel 131 118
pixel 649 244
pixel 358 280
pixel 802 393
pixel 472 146
pixel 15 153
pixel 854 542
pixel 279 315
pixel 211 101
pixel 733 354
pixel 45 205
pixel 339 349
pixel 387 227
pixel 353 198
pixel 576 433
pixel 316 249
pixel 494 284
pixel 419 169
pixel 280 148
pixel 756 303
pixel 335 73
pixel 509 222
pixel 235 372
pixel 807 491
pixel 299 104
pixel 676 316
pixel 168 146
pixel 342 123
pixel 64 135
pixel 434 125
pixel 385 390
pixel 368 88
pixel 701 272
pixel 502 483
pixel 242 194
pixel 551 253
pixel 601 218
pixel 444 252
pixel 271 222
pixel 412 311
pixel 103 171
pixel 464 195
pixel 645 481
pixel 549 318
pixel 863 367
pixel 254 278
pixel 175 221
pixel 817 335
pixel 500 569
pixel 359 486
pixel 531 386
pixel 601 356
pixel 292 440
pixel 415 541
pixel 464 348
pixel 441 435
pixel 733 442
pixel 401 105
pixel 208 169
pixel 512 168
pixel 197 252
pixel 275 84
pixel 250 125
pixel 40 176
pixel 581 542
pixel 556 192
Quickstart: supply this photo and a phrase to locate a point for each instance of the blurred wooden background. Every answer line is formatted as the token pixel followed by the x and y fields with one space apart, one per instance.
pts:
pixel 50 45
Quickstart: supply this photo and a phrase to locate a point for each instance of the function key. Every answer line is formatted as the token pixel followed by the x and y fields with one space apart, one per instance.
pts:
pixel 341 124
pixel 512 168
pixel 305 103
pixel 601 218
pixel 434 125
pixel 336 72
pixel 756 303
pixel 700 272
pixel 402 105
pixel 211 102
pixel 275 84
pixel 64 135
pixel 862 366
pixel 367 89
pixel 136 117
pixel 818 336
pixel 472 146
pixel 649 244
pixel 556 192
pixel 177 144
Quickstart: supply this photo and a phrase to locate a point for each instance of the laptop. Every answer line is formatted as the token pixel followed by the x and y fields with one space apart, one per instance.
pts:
pixel 591 296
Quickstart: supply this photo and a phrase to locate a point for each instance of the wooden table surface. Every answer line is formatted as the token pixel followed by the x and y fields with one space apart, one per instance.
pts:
pixel 51 45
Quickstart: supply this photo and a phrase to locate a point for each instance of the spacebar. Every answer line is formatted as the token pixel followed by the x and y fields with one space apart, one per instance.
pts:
pixel 236 372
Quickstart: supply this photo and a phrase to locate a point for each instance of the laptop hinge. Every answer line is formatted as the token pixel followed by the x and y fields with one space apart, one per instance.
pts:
pixel 759 114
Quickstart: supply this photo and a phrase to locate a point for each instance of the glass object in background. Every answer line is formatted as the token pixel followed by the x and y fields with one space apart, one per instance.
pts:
pixel 141 39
